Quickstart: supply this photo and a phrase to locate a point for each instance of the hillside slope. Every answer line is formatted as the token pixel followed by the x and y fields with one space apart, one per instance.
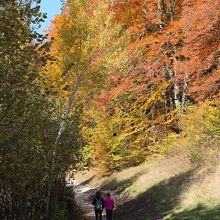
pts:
pixel 171 188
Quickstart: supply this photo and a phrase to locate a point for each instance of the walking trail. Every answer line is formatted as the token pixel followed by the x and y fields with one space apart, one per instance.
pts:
pixel 84 194
pixel 83 197
pixel 85 188
pixel 85 191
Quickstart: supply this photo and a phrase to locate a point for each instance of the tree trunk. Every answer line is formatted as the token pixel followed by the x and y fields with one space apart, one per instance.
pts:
pixel 185 88
pixel 176 86
pixel 168 9
pixel 163 7
pixel 172 4
pixel 54 152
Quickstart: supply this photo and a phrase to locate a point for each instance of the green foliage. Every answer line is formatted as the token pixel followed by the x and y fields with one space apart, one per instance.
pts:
pixel 28 119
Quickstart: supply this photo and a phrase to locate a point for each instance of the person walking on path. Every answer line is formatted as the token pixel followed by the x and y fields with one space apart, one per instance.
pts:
pixel 109 206
pixel 98 204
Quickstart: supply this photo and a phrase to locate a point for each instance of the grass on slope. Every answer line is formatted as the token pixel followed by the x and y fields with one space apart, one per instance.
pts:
pixel 170 189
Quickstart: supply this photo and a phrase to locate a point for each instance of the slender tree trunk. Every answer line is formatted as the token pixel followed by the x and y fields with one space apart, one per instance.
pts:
pixel 54 152
pixel 176 86
pixel 165 106
pixel 168 9
pixel 159 5
pixel 163 7
pixel 176 93
pixel 185 88
pixel 172 9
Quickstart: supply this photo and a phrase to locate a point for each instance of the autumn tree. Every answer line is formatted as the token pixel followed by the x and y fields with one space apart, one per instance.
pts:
pixel 28 120
pixel 160 78
pixel 80 57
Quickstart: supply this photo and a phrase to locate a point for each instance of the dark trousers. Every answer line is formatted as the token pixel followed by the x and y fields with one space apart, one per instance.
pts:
pixel 109 214
pixel 98 215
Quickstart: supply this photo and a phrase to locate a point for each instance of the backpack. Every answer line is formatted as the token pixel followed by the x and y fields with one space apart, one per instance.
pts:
pixel 98 204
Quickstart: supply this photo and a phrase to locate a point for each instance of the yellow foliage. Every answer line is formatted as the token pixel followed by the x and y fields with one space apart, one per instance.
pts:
pixel 201 126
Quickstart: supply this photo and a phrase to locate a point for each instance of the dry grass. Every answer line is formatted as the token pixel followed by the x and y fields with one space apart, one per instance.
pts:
pixel 171 187
pixel 91 177
pixel 204 188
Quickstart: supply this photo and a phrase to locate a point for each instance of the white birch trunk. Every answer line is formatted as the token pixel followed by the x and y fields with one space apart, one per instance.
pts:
pixel 61 130
pixel 176 92
pixel 176 86
pixel 185 88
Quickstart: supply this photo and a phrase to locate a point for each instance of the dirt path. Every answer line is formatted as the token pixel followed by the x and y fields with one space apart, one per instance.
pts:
pixel 83 196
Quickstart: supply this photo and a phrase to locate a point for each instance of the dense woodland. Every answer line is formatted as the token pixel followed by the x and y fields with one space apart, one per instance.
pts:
pixel 112 84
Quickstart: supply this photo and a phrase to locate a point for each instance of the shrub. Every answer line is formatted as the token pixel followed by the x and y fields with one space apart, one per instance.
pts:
pixel 201 127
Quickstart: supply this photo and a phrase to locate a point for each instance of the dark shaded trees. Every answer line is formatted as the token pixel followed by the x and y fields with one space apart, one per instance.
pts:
pixel 29 120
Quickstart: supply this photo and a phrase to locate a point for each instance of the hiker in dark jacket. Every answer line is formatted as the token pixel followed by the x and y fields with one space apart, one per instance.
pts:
pixel 98 204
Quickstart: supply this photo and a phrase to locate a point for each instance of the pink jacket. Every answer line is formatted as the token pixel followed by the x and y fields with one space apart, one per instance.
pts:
pixel 109 203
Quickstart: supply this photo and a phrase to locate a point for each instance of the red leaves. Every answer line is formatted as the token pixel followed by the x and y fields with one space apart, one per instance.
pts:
pixel 136 15
pixel 186 46
pixel 200 23
pixel 117 86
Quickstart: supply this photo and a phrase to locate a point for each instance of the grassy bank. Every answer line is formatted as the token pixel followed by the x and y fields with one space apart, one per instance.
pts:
pixel 170 189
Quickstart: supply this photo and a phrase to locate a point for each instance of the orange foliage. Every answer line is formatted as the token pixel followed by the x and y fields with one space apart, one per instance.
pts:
pixel 188 46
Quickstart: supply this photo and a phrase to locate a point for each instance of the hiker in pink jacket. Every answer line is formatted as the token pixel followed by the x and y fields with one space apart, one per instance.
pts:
pixel 109 206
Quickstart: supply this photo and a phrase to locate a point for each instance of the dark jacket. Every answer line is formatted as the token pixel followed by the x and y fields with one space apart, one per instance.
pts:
pixel 95 199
